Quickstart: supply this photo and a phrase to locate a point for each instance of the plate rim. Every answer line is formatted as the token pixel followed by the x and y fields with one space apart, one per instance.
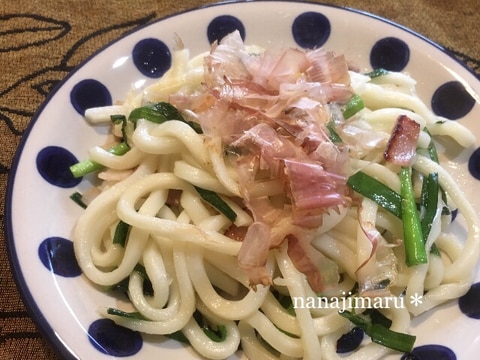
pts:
pixel 41 322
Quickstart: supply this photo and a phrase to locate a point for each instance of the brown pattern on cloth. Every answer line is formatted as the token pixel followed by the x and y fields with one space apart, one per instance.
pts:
pixel 42 41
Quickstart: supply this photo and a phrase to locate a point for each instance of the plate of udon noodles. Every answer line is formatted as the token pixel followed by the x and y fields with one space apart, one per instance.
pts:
pixel 294 184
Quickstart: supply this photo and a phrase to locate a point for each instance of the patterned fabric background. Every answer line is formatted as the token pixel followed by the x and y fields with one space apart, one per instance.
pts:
pixel 42 41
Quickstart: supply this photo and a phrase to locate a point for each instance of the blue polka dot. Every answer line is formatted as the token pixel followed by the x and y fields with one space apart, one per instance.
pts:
pixel 311 30
pixel 454 214
pixel 470 302
pixel 112 339
pixel 152 57
pixel 390 53
pixel 89 93
pixel 350 341
pixel 452 100
pixel 430 352
pixel 57 255
pixel 223 25
pixel 53 164
pixel 474 164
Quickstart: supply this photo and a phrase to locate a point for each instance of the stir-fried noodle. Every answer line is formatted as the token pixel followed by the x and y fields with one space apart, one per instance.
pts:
pixel 246 204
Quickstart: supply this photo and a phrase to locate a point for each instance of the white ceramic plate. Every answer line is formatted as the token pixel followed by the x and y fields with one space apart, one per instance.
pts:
pixel 37 210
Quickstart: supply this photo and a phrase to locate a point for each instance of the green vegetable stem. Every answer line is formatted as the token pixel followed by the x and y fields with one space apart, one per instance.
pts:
pixel 381 334
pixel 354 105
pixel 415 252
pixel 375 190
pixel 85 167
pixel 217 202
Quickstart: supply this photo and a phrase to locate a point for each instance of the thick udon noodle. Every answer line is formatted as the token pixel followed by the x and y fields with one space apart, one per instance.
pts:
pixel 192 265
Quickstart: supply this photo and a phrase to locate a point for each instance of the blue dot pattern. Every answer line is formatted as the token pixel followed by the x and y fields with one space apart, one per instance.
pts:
pixel 311 30
pixel 89 93
pixel 469 303
pixel 390 53
pixel 57 255
pixel 152 58
pixel 350 341
pixel 53 164
pixel 474 164
pixel 452 101
pixel 112 339
pixel 430 352
pixel 223 25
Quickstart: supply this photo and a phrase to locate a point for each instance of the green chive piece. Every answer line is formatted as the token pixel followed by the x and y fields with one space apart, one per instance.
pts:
pixel 377 72
pixel 129 315
pixel 428 204
pixel 217 202
pixel 378 318
pixel 178 336
pixel 334 137
pixel 217 334
pixel 353 106
pixel 140 269
pixel 85 167
pixel 375 190
pixel 433 154
pixel 412 229
pixel 121 233
pixel 78 199
pixel 160 112
pixel 122 119
pixel 380 334
pixel 118 118
pixel 287 304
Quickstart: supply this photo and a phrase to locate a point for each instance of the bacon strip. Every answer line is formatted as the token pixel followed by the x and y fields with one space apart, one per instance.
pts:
pixel 401 147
